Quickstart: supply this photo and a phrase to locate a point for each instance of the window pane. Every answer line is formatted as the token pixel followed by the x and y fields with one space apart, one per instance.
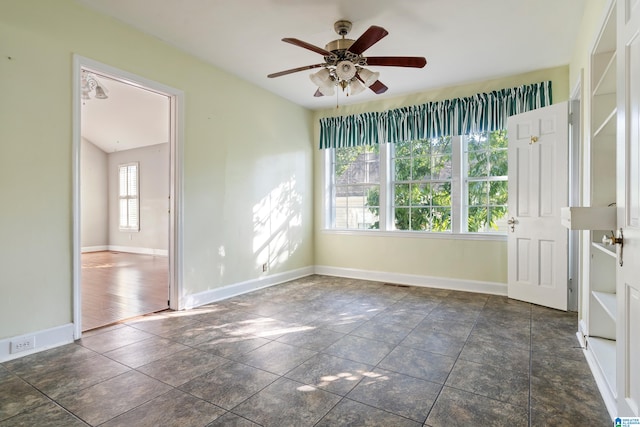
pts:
pixel 402 169
pixel 441 219
pixel 498 194
pixel 421 219
pixel 441 194
pixel 123 213
pixel 133 213
pixel 402 149
pixel 499 163
pixel 478 193
pixel 477 219
pixel 421 168
pixel 498 219
pixel 401 218
pixel 340 220
pixel 478 164
pixel 401 194
pixel 123 181
pixel 132 177
pixel 441 168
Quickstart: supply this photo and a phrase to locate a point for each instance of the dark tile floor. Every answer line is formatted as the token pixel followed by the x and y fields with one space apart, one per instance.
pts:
pixel 318 351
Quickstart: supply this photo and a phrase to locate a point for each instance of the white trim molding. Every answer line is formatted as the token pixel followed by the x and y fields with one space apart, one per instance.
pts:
pixel 213 295
pixel 493 288
pixel 44 340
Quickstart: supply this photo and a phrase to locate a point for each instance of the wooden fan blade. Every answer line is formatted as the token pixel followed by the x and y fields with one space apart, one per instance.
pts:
pixel 397 61
pixel 295 70
pixel 368 39
pixel 378 87
pixel 306 45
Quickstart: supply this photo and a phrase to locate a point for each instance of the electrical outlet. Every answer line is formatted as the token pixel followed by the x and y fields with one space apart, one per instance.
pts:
pixel 23 344
pixel 265 267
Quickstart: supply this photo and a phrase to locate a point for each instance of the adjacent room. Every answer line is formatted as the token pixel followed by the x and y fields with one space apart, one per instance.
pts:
pixel 305 213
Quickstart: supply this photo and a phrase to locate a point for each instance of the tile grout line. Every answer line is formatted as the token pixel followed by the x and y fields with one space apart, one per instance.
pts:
pixel 530 362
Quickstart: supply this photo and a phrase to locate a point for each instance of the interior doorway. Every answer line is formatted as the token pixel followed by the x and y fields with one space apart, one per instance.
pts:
pixel 126 169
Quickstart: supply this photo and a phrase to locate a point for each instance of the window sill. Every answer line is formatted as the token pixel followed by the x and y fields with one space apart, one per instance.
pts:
pixel 418 235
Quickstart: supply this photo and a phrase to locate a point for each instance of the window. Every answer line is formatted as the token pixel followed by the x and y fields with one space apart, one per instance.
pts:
pixel 356 187
pixel 453 184
pixel 129 197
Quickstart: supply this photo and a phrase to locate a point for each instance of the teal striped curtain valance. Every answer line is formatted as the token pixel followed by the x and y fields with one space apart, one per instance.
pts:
pixel 478 113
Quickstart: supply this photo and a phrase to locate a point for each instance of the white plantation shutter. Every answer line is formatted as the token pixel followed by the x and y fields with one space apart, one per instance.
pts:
pixel 129 197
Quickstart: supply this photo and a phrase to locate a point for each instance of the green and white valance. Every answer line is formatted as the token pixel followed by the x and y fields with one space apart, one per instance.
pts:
pixel 461 116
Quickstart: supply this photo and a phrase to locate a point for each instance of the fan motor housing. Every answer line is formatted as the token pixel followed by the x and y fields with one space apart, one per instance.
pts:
pixel 339 44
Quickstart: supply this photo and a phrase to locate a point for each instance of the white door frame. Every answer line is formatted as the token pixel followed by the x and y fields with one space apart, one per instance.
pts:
pixel 575 185
pixel 176 105
pixel 537 242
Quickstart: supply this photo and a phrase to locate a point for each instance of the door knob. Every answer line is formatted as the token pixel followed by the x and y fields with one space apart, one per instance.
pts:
pixel 512 223
pixel 613 240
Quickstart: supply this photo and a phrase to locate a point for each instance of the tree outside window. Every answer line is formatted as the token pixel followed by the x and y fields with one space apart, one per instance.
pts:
pixel 440 185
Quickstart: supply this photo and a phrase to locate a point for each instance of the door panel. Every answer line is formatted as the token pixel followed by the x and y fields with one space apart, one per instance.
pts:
pixel 538 188
pixel 628 203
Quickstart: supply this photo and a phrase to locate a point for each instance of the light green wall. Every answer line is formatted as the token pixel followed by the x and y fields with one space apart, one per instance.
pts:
pixel 247 154
pixel 484 261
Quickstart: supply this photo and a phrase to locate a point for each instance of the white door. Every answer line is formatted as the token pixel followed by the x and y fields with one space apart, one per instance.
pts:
pixel 537 243
pixel 628 203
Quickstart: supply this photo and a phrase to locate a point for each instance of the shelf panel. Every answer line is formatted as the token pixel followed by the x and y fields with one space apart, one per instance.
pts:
pixel 605 355
pixel 608 126
pixel 607 82
pixel 588 218
pixel 608 302
pixel 609 250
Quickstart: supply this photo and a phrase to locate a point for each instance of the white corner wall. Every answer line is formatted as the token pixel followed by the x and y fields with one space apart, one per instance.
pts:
pixel 153 237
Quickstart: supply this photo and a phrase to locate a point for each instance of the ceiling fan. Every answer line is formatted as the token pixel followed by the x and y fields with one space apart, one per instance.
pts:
pixel 344 62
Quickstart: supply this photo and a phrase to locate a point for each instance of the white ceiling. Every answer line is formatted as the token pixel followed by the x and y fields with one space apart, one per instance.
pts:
pixel 463 40
pixel 129 118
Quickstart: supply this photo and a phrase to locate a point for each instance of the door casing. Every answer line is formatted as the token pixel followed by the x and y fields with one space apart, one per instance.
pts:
pixel 176 105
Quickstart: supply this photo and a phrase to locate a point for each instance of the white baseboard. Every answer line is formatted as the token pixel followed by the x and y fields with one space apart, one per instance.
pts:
pixel 229 291
pixel 128 249
pixel 44 340
pixel 493 288
pixel 607 396
pixel 87 249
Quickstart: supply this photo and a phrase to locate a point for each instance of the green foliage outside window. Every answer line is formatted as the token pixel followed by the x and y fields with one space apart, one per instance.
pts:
pixel 421 184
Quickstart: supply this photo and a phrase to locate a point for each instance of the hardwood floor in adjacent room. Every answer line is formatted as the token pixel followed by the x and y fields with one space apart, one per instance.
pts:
pixel 120 285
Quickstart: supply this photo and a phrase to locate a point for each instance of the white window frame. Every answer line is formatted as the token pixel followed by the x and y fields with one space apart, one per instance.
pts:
pixel 458 208
pixel 128 227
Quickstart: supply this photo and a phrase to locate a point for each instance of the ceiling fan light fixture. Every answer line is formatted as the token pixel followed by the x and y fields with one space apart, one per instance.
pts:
pixel 100 93
pixel 327 90
pixel 368 77
pixel 355 87
pixel 321 78
pixel 345 70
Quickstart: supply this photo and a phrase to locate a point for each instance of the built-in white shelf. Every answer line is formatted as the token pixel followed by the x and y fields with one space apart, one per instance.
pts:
pixel 608 302
pixel 609 250
pixel 607 82
pixel 608 126
pixel 588 218
pixel 605 354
